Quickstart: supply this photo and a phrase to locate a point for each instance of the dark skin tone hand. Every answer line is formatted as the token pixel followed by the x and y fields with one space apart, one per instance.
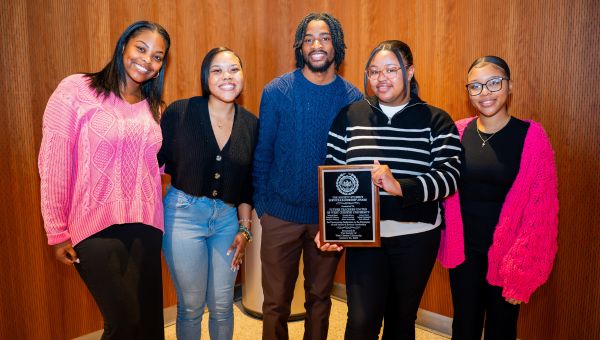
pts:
pixel 65 253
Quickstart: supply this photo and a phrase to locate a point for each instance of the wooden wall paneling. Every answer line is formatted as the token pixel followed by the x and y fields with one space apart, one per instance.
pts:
pixel 25 269
pixel 257 56
pixel 530 103
pixel 13 66
pixel 570 101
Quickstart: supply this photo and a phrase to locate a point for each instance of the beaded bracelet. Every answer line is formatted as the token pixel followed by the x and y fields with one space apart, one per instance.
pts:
pixel 246 232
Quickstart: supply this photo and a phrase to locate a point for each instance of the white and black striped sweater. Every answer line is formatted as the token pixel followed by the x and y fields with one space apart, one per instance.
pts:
pixel 420 144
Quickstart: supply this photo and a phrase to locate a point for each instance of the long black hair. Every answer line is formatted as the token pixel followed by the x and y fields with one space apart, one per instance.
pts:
pixel 403 53
pixel 113 76
pixel 205 68
pixel 491 59
pixel 337 37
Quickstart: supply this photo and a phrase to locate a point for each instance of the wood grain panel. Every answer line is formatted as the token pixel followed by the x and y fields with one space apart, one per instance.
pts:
pixel 552 47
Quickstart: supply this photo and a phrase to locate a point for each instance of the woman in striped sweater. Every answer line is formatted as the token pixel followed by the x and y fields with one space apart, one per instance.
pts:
pixel 415 150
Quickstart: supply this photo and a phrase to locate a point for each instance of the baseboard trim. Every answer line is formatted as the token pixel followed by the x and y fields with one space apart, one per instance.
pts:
pixel 430 321
pixel 433 322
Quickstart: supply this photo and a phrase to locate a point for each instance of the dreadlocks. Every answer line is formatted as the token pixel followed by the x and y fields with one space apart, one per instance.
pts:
pixel 337 36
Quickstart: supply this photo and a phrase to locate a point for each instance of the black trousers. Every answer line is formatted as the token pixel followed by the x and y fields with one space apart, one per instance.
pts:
pixel 474 300
pixel 121 267
pixel 387 284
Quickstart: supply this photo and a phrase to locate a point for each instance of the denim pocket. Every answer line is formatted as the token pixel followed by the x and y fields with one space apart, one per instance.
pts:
pixel 177 199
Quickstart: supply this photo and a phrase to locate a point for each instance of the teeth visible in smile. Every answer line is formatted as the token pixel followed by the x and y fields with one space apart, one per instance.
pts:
pixel 140 68
pixel 227 86
pixel 317 56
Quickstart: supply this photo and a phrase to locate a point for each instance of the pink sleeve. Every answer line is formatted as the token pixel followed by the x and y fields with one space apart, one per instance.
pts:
pixel 528 263
pixel 56 160
pixel 452 243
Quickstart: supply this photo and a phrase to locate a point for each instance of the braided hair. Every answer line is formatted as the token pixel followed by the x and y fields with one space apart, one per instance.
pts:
pixel 337 36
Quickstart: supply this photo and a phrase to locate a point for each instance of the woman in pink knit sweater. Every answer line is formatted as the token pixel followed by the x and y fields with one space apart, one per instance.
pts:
pixel 508 208
pixel 100 182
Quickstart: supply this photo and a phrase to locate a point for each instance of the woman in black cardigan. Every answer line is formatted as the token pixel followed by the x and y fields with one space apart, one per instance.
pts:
pixel 208 146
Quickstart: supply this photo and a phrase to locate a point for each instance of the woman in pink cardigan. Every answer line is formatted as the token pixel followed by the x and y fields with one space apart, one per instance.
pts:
pixel 100 182
pixel 508 208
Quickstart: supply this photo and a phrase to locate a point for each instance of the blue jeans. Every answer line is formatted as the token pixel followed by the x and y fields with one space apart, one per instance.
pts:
pixel 198 232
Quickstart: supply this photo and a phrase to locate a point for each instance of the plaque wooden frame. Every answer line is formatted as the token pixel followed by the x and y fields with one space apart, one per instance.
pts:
pixel 373 194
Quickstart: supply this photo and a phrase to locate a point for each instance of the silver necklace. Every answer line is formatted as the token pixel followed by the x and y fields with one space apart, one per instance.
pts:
pixel 486 139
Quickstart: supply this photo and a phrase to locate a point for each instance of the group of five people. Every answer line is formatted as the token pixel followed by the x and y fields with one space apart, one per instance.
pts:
pixel 105 137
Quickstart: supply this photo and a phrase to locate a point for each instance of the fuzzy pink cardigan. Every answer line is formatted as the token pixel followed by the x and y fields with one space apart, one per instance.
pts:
pixel 525 239
pixel 97 163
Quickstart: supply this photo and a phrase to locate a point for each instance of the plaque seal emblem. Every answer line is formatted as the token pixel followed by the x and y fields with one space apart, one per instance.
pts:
pixel 347 183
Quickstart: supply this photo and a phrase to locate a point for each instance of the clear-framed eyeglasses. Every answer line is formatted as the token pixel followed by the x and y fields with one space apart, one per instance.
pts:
pixel 493 85
pixel 390 72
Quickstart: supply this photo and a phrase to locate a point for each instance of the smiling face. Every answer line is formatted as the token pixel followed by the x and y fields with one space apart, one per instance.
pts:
pixel 488 103
pixel 388 84
pixel 143 57
pixel 226 77
pixel 317 47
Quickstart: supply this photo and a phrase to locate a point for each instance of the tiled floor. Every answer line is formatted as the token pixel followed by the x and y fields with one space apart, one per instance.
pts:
pixel 247 327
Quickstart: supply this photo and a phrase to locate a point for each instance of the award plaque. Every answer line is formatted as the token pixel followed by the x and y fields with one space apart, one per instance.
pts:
pixel 348 206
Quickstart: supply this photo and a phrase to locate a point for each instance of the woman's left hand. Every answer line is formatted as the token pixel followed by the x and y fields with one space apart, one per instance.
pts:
pixel 383 178
pixel 513 301
pixel 238 246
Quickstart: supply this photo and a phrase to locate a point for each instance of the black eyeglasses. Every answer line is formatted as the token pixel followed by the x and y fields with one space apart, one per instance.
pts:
pixel 493 85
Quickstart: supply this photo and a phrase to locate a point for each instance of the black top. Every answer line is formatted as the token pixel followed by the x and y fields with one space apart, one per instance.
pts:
pixel 488 173
pixel 192 156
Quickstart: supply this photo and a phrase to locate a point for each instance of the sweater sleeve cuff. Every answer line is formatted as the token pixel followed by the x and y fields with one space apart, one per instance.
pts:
pixel 522 294
pixel 58 238
pixel 412 191
pixel 259 206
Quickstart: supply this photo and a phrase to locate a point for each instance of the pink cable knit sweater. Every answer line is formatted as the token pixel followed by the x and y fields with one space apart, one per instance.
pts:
pixel 525 240
pixel 97 163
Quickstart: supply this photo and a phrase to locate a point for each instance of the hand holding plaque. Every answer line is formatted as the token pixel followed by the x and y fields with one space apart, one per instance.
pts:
pixel 348 206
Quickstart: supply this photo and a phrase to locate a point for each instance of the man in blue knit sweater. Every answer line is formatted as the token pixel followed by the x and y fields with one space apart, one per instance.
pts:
pixel 296 111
